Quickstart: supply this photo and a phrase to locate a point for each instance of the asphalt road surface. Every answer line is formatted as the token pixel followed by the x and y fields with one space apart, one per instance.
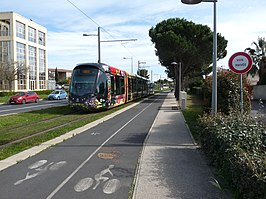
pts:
pixel 98 163
pixel 8 109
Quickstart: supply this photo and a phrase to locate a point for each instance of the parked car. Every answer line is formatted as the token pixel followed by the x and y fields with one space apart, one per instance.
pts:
pixel 24 97
pixel 57 95
pixel 58 86
pixel 65 86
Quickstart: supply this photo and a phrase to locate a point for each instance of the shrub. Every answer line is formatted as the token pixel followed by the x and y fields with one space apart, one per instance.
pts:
pixel 3 94
pixel 236 145
pixel 44 92
pixel 228 92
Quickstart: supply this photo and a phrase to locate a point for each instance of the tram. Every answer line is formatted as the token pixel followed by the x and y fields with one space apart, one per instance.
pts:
pixel 97 86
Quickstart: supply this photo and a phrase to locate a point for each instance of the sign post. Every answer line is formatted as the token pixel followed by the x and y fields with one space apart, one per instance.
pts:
pixel 240 63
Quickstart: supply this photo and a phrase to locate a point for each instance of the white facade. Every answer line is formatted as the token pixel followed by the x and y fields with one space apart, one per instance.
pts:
pixel 24 41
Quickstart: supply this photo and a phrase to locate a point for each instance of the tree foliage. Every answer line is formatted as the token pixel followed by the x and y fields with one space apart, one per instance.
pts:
pixel 143 73
pixel 56 75
pixel 258 55
pixel 183 41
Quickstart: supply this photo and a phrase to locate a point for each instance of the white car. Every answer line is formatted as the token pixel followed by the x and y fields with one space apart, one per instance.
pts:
pixel 58 86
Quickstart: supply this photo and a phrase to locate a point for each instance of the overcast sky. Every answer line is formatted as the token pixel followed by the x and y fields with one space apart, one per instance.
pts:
pixel 240 21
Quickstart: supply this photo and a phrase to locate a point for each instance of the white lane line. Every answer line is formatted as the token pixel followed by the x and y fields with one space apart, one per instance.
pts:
pixel 28 107
pixel 83 163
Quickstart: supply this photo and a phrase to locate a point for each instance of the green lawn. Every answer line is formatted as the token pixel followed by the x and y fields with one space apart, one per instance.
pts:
pixel 192 112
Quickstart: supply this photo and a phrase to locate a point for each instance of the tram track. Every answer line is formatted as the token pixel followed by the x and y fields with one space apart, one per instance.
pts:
pixel 54 126
pixel 64 122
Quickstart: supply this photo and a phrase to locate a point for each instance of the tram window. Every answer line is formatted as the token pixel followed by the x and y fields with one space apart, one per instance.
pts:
pixel 139 85
pixel 113 87
pixel 117 83
pixel 129 85
pixel 122 85
pixel 134 85
pixel 101 86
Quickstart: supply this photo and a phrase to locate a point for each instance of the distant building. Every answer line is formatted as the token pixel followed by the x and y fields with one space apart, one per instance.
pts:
pixel 24 41
pixel 63 74
pixel 253 79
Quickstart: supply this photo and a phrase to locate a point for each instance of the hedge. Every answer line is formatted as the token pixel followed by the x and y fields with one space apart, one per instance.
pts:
pixel 236 145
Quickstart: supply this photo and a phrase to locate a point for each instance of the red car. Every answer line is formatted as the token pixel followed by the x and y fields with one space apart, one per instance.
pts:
pixel 24 97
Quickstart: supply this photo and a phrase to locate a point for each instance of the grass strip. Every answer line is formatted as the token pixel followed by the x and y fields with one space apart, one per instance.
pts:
pixel 192 112
pixel 31 128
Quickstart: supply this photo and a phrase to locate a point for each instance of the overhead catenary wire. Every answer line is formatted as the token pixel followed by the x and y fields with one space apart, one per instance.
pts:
pixel 98 25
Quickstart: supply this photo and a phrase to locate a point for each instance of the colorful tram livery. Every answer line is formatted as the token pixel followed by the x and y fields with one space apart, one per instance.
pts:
pixel 96 86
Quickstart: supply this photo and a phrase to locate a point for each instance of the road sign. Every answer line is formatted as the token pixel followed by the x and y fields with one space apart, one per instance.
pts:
pixel 240 62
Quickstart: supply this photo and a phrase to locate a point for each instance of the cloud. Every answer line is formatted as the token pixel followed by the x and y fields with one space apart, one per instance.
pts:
pixel 240 22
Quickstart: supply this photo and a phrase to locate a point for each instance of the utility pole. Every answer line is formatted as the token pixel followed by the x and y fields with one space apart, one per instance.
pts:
pixel 99 42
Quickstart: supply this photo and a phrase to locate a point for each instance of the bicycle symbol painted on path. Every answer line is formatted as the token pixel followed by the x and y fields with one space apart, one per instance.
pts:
pixel 39 168
pixel 110 185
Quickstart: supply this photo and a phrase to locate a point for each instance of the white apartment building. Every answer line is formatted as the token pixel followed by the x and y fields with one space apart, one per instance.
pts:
pixel 24 41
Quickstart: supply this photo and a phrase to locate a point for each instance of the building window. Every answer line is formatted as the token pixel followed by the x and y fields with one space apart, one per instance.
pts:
pixel 5 51
pixel 32 34
pixel 4 85
pixel 20 30
pixel 21 83
pixel 32 63
pixel 21 53
pixel 21 59
pixel 41 39
pixel 4 27
pixel 42 70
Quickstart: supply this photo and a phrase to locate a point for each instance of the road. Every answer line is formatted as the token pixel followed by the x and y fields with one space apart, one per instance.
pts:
pixel 8 109
pixel 98 163
pixel 258 110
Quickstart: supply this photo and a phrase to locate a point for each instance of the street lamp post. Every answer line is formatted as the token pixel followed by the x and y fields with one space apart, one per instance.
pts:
pixel 131 63
pixel 178 70
pixel 214 59
pixel 99 42
pixel 140 62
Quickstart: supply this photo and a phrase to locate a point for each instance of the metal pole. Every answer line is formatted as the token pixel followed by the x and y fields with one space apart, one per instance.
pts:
pixel 241 93
pixel 99 45
pixel 179 86
pixel 160 84
pixel 214 68
pixel 131 65
pixel 176 83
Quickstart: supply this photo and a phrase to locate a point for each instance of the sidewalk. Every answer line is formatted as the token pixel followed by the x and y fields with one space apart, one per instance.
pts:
pixel 171 165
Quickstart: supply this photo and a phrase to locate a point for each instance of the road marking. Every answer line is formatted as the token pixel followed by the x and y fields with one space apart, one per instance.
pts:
pixel 109 187
pixel 85 161
pixel 39 169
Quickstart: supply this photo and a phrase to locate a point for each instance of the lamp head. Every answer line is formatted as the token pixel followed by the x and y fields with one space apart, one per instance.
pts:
pixel 191 1
pixel 174 63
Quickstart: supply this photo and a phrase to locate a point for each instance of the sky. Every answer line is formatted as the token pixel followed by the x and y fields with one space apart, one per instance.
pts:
pixel 241 22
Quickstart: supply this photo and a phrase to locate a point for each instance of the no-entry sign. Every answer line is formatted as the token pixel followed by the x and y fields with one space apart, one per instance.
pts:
pixel 240 62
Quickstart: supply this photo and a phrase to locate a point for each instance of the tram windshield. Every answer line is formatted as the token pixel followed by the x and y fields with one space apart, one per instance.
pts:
pixel 83 81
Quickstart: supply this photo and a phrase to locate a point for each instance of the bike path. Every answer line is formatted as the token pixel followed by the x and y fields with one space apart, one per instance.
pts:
pixel 99 163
